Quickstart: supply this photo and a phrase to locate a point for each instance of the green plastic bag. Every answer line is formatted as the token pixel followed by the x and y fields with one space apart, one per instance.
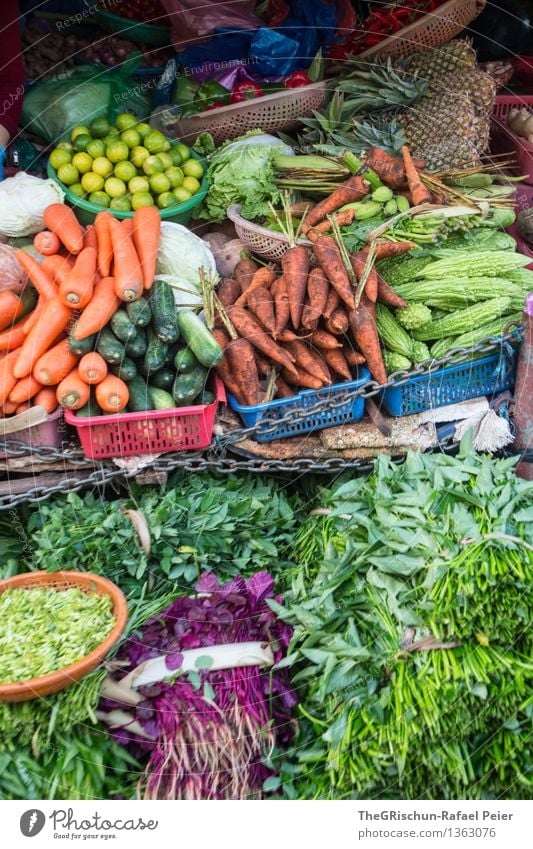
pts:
pixel 54 106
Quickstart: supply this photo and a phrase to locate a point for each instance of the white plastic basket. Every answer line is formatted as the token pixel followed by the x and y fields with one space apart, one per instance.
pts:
pixel 259 240
pixel 281 111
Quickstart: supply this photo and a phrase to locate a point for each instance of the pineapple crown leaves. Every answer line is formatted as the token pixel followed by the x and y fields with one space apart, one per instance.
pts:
pixel 378 85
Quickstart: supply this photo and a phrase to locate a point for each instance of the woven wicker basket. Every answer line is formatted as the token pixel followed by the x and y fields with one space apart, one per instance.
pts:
pixel 430 31
pixel 55 681
pixel 259 240
pixel 280 111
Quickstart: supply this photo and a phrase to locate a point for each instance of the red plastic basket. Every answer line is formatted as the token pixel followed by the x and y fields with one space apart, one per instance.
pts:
pixel 151 432
pixel 523 200
pixel 504 140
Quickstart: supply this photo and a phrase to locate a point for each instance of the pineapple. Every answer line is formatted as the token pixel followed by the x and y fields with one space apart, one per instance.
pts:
pixel 448 58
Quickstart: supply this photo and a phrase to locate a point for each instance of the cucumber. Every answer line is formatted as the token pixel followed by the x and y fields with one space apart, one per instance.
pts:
pixel 91 408
pixel 185 360
pixel 125 369
pixel 188 386
pixel 205 398
pixel 139 312
pixel 81 346
pixel 163 308
pixel 204 347
pixel 122 326
pixel 161 399
pixel 109 346
pixel 163 379
pixel 173 349
pixel 140 399
pixel 136 347
pixel 28 298
pixel 156 352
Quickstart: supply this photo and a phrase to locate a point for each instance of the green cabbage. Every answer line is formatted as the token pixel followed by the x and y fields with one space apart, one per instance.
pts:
pixel 180 257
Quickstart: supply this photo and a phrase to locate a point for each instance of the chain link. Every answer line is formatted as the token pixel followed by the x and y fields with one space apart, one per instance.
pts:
pixel 215 458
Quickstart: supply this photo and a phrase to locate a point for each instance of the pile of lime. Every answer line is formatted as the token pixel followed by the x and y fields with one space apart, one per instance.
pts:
pixel 126 165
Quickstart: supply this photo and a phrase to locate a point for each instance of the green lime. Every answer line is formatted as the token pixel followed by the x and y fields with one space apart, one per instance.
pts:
pixel 99 198
pixel 109 139
pixel 183 151
pixel 96 147
pixel 193 168
pixel 102 166
pixel 92 182
pixel 141 199
pixel 77 189
pixel 175 155
pixel 125 171
pixel 99 128
pixel 191 184
pixel 153 165
pixel 181 194
pixel 165 200
pixel 138 184
pixel 131 137
pixel 81 141
pixel 68 174
pixel 166 159
pixel 143 129
pixel 65 145
pixel 154 141
pixel 115 188
pixel 117 151
pixel 125 121
pixel 83 162
pixel 60 157
pixel 175 175
pixel 137 155
pixel 159 183
pixel 78 131
pixel 113 131
pixel 121 204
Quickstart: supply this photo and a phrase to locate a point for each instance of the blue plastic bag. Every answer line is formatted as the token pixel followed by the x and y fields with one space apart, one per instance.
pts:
pixel 274 54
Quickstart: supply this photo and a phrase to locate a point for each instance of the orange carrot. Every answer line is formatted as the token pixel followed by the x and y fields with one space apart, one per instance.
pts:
pixel 283 390
pixel 389 168
pixel 281 301
pixel 126 268
pixel 8 409
pixel 308 360
pixel 228 291
pixel 127 226
pixel 317 292
pixel 301 379
pixel 358 261
pixel 53 319
pixel 60 219
pixel 295 268
pixel 247 327
pixel 92 368
pixel 324 340
pixel 55 364
pixel 337 362
pixel 241 359
pixel 10 308
pixel 338 323
pixel 342 219
pixel 419 192
pixel 40 278
pixel 332 302
pixel 34 315
pixel 73 393
pixel 105 246
pixel 24 389
pixel 46 398
pixel 46 243
pixel 14 336
pixel 77 289
pixel 7 378
pixel 353 189
pixel 244 272
pixel 23 408
pixel 329 257
pixel 363 325
pixel 57 267
pixel 388 249
pixel 100 309
pixel 223 368
pixel 388 296
pixel 263 277
pixel 264 367
pixel 286 336
pixel 90 239
pixel 353 358
pixel 112 394
pixel 146 236
pixel 261 303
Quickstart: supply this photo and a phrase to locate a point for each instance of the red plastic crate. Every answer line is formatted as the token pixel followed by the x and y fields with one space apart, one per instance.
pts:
pixel 524 199
pixel 504 140
pixel 150 432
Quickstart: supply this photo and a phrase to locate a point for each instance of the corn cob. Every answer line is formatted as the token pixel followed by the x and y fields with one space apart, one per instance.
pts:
pixel 480 263
pixel 466 340
pixel 392 334
pixel 462 321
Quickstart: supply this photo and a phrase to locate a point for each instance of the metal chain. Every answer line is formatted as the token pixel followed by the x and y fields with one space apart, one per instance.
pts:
pixel 216 460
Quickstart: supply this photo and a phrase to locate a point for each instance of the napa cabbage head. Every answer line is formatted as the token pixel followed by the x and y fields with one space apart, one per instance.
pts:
pixel 241 172
pixel 180 257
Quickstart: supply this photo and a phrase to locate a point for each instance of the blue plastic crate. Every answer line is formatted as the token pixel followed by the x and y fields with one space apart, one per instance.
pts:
pixel 267 414
pixel 453 384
